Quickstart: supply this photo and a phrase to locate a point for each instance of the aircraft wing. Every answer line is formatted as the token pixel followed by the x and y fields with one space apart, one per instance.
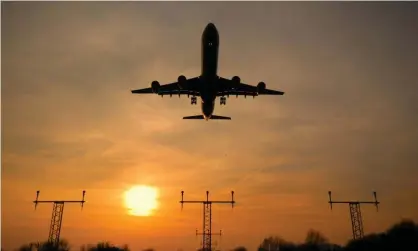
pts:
pixel 229 87
pixel 191 88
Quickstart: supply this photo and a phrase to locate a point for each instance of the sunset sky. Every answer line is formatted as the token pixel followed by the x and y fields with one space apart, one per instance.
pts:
pixel 348 121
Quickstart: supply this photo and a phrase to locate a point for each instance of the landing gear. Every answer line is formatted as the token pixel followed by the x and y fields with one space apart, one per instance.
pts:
pixel 193 100
pixel 223 100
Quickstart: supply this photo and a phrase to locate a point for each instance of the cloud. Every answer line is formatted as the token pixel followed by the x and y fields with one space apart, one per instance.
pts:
pixel 346 123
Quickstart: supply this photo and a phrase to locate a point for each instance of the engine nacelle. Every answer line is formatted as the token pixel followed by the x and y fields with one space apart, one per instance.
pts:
pixel 261 87
pixel 182 82
pixel 155 86
pixel 236 80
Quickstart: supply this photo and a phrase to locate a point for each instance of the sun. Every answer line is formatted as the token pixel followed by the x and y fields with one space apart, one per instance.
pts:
pixel 141 200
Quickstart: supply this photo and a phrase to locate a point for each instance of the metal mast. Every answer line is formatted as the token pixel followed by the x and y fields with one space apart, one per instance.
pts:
pixel 212 233
pixel 355 214
pixel 57 213
pixel 207 217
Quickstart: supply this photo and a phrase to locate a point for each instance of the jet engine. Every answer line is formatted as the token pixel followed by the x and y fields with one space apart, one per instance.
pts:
pixel 261 87
pixel 155 86
pixel 181 82
pixel 236 80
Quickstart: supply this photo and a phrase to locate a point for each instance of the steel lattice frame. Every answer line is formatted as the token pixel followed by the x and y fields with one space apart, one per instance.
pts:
pixel 207 227
pixel 356 221
pixel 57 213
pixel 355 214
pixel 207 217
pixel 56 222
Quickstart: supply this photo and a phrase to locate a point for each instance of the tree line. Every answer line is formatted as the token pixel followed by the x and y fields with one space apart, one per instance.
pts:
pixel 402 236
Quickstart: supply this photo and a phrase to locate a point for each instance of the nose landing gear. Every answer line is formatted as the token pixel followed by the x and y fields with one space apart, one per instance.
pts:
pixel 193 100
pixel 223 100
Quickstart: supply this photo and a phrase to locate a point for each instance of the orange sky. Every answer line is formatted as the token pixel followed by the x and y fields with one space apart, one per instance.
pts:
pixel 347 122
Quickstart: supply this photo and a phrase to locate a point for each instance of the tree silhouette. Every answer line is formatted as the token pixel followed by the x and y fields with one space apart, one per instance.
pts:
pixel 315 238
pixel 402 236
pixel 314 241
pixel 275 243
pixel 63 245
pixel 27 247
pixel 405 232
pixel 240 248
pixel 106 246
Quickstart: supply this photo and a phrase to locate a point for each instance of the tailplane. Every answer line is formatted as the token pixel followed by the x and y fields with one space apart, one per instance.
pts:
pixel 214 117
pixel 220 117
pixel 194 117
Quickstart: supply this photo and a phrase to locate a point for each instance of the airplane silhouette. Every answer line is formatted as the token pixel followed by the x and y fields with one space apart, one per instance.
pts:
pixel 208 85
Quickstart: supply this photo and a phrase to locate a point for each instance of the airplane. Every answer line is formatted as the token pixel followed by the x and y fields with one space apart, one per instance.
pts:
pixel 208 85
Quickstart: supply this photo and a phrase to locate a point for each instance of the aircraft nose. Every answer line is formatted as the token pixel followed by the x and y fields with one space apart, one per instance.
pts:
pixel 210 27
pixel 210 34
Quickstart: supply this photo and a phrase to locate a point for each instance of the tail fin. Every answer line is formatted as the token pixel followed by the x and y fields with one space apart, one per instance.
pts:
pixel 215 117
pixel 220 117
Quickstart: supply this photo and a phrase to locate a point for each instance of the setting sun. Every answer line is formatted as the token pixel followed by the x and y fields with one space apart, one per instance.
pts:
pixel 141 200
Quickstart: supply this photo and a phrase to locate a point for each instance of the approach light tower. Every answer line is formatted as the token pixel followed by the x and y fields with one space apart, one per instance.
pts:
pixel 211 233
pixel 207 217
pixel 355 213
pixel 57 213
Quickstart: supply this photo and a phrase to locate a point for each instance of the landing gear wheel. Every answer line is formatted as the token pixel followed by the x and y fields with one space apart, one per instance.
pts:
pixel 194 100
pixel 223 100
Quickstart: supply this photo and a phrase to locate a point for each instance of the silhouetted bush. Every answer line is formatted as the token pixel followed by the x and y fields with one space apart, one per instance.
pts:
pixel 241 248
pixel 104 246
pixel 45 246
pixel 402 236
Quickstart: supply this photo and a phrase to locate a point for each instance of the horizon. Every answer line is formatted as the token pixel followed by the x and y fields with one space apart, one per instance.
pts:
pixel 347 122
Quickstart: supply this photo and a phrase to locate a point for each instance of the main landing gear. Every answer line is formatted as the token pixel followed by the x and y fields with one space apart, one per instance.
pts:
pixel 223 100
pixel 193 100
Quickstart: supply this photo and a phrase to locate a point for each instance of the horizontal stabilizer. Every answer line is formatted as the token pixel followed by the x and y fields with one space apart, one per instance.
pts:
pixel 194 117
pixel 212 117
pixel 220 117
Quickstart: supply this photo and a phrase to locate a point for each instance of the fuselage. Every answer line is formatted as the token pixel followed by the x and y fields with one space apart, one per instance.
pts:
pixel 209 77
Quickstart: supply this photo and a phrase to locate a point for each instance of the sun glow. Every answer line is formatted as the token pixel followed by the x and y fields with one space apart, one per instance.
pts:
pixel 141 200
